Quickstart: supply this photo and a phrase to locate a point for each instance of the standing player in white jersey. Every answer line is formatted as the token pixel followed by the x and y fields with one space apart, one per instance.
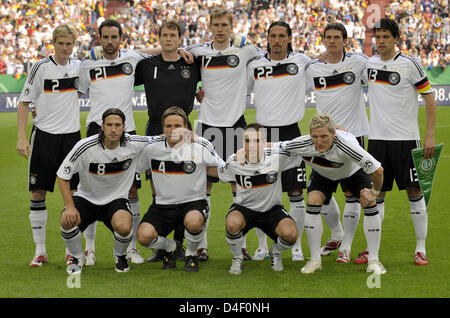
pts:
pixel 221 112
pixel 179 177
pixel 52 86
pixel 110 81
pixel 337 83
pixel 394 81
pixel 259 197
pixel 336 157
pixel 106 163
pixel 278 82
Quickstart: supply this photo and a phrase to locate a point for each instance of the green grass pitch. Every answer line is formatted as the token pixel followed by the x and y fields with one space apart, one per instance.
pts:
pixel 404 279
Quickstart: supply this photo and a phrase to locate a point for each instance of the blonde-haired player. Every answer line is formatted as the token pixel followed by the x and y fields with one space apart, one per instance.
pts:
pixel 52 86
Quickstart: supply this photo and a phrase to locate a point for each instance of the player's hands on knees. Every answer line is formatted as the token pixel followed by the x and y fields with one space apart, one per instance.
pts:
pixel 187 57
pixel 367 197
pixel 71 217
pixel 23 147
pixel 428 147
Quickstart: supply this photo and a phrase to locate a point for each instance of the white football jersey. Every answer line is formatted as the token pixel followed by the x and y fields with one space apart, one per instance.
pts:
pixel 110 84
pixel 341 161
pixel 339 91
pixel 105 174
pixel 224 80
pixel 258 186
pixel 279 89
pixel 53 89
pixel 179 175
pixel 394 86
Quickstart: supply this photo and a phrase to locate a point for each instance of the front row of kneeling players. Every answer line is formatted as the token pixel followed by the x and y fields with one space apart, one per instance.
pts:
pixel 106 164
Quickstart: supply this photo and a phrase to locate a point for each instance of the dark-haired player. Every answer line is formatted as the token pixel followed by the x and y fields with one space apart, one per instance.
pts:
pixel 337 82
pixel 395 80
pixel 277 80
pixel 106 163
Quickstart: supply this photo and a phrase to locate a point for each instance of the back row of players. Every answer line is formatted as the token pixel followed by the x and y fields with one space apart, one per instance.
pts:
pixel 229 70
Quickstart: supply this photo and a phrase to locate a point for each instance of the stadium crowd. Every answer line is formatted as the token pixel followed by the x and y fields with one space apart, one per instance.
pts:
pixel 26 26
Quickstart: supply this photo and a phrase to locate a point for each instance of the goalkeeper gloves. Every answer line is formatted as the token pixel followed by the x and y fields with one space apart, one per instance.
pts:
pixel 239 40
pixel 95 54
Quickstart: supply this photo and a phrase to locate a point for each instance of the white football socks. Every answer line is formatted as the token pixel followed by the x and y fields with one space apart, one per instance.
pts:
pixel 372 231
pixel 314 230
pixel 297 211
pixel 136 214
pixel 38 221
pixel 350 218
pixel 419 217
pixel 332 217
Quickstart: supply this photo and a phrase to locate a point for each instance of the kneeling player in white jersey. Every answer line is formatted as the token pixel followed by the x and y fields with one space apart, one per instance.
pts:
pixel 258 200
pixel 336 157
pixel 179 177
pixel 106 164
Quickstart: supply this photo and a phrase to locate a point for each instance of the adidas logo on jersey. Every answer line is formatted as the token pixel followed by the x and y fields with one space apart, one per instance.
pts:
pixel 66 75
pixel 171 67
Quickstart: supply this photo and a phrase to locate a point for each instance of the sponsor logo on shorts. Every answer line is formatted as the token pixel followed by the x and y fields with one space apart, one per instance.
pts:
pixel 33 180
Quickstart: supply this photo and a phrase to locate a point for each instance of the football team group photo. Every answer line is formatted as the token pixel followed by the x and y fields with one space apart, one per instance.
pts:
pixel 287 145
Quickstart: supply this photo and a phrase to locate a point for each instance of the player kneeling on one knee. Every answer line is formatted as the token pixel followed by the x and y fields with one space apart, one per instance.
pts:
pixel 106 164
pixel 258 196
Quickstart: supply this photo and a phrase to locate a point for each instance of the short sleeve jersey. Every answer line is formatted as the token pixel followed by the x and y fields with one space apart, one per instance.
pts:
pixel 258 186
pixel 105 174
pixel 394 86
pixel 339 92
pixel 341 161
pixel 110 84
pixel 279 89
pixel 178 174
pixel 53 89
pixel 224 78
